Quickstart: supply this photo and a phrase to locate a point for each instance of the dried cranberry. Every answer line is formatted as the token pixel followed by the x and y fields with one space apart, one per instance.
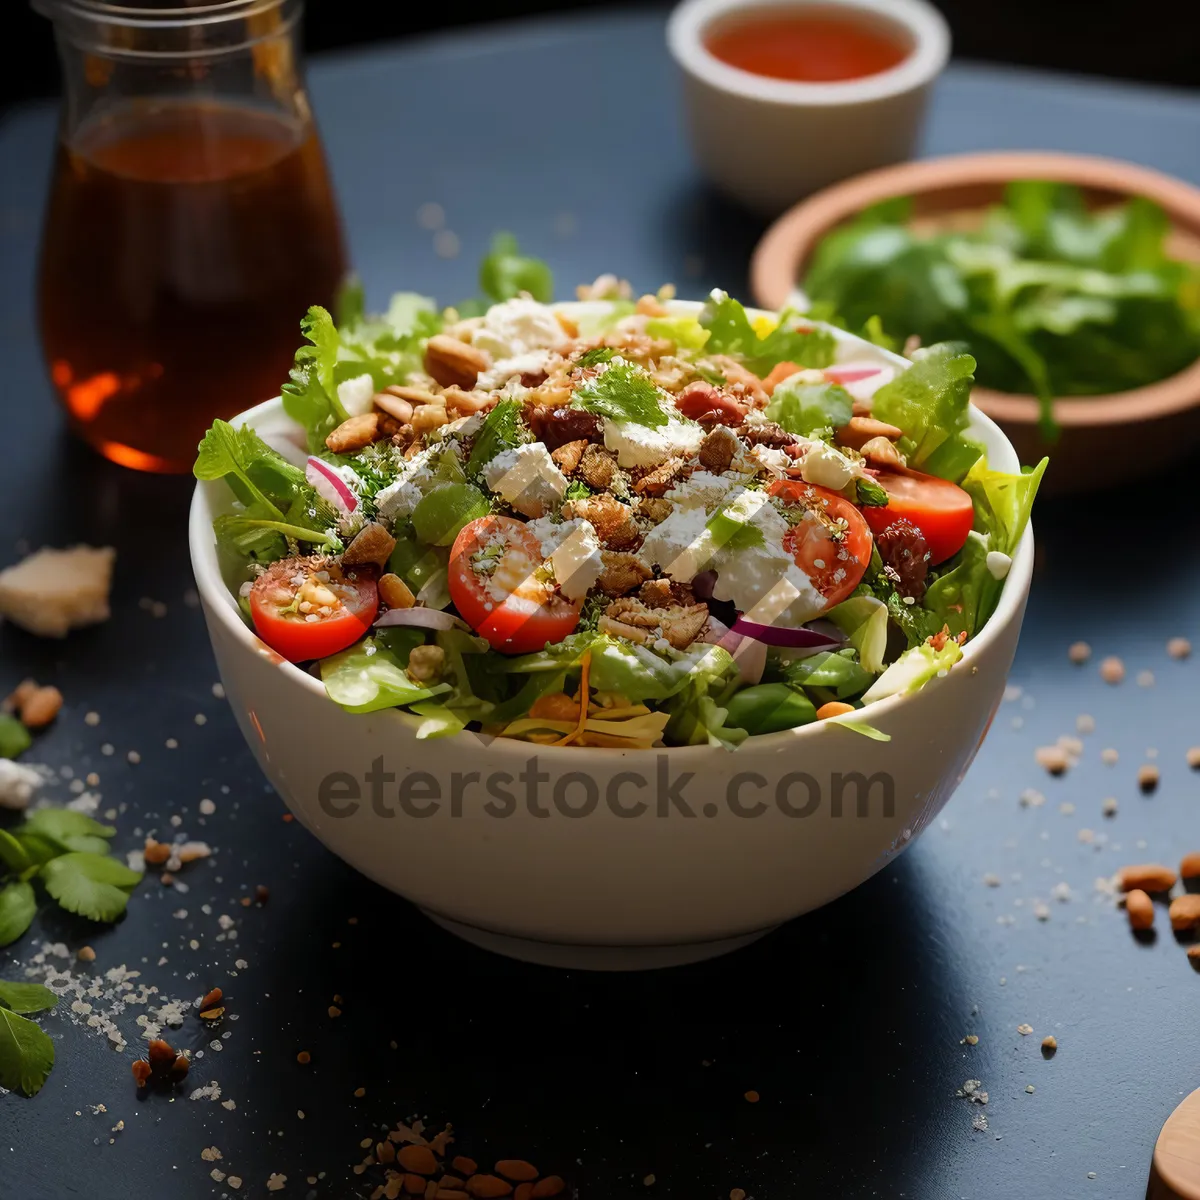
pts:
pixel 903 548
pixel 704 403
pixel 557 426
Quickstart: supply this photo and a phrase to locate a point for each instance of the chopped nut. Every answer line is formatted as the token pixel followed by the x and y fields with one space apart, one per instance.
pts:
pixel 568 456
pixel 1185 912
pixel 613 521
pixel 516 1169
pixel 453 362
pixel 597 468
pixel 679 624
pixel 155 853
pixel 41 706
pixel 1112 670
pixel 718 449
pixel 371 545
pixel 356 434
pixel 1049 1044
pixel 419 1160
pixel 428 418
pixel 1139 908
pixel 464 1165
pixel 752 1097
pixel 1079 652
pixel 488 1187
pixel 394 592
pixel 85 954
pixel 1148 877
pixel 880 451
pixel 660 479
pixel 1189 866
pixel 552 1185
pixel 334 1011
pixel 860 430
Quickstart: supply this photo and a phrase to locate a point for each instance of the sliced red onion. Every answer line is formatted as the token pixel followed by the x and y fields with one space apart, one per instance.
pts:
pixel 773 635
pixel 329 485
pixel 703 584
pixel 421 618
pixel 750 656
pixel 850 374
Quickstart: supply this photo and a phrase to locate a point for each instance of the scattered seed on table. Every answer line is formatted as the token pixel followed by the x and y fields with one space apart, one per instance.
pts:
pixel 218 691
pixel 1179 647
pixel 648 1181
pixel 200 719
pixel 1194 955
pixel 1029 1088
pixel 1109 756
pixel 1185 912
pixel 1049 1044
pixel 1024 1030
pixel 85 954
pixel 1109 806
pixel 1052 758
pixel 334 1011
pixel 1147 777
pixel 91 718
pixel 1085 723
pixel 1189 866
pixel 1193 757
pixel 1145 679
pixel 1079 652
pixel 1148 877
pixel 737 1194
pixel 972 1039
pixel 134 757
pixel 1112 669
pixel 991 880
pixel 360 1092
pixel 1140 910
pixel 304 1058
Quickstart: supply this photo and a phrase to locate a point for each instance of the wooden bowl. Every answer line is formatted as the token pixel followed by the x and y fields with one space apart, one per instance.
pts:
pixel 1094 448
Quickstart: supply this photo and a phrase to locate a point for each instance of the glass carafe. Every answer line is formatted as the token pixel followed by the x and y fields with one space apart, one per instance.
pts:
pixel 190 221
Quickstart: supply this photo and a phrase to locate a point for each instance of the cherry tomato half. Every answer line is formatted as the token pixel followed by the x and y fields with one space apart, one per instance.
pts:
pixel 495 585
pixel 309 608
pixel 941 510
pixel 832 544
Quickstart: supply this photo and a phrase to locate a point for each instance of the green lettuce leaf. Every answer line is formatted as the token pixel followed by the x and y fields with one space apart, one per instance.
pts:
pixel 835 671
pixel 929 402
pixel 1003 502
pixel 26 998
pixel 310 394
pixel 810 409
pixel 503 429
pixel 731 332
pixel 92 885
pixel 368 677
pixel 913 669
pixel 18 906
pixel 26 1054
pixel 864 621
pixel 506 272
pixel 686 331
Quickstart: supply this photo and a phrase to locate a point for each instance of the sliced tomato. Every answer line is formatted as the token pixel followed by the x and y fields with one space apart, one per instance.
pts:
pixel 496 585
pixel 941 510
pixel 832 544
pixel 309 608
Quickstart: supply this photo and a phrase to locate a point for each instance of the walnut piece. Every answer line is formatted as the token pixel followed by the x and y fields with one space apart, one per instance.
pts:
pixel 612 520
pixel 567 456
pixel 717 450
pixel 660 479
pixel 598 467
pixel 622 572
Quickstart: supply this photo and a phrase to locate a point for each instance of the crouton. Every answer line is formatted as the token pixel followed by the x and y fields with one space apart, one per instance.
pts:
pixel 54 591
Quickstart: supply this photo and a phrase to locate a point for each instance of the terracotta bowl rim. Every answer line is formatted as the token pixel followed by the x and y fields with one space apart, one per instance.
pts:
pixel 775 263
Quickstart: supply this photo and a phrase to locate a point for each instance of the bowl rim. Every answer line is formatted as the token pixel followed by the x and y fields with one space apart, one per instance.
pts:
pixel 220 605
pixel 926 26
pixel 775 263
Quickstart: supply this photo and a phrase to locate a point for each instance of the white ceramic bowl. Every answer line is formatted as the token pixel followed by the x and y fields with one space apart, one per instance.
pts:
pixel 770 142
pixel 605 890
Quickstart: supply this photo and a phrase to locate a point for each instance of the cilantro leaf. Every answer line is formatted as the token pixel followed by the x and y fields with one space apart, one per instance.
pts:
pixel 26 997
pixel 623 392
pixel 59 823
pixel 810 409
pixel 228 452
pixel 15 739
pixel 310 394
pixel 17 909
pixel 91 885
pixel 731 332
pixel 503 429
pixel 595 356
pixel 506 272
pixel 26 1054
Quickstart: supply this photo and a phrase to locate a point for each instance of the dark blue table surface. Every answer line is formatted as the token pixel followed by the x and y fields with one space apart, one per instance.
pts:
pixel 848 1022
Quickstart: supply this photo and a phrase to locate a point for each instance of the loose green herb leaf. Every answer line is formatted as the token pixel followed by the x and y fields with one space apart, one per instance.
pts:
pixel 15 739
pixel 310 394
pixel 26 1054
pixel 37 848
pixel 12 854
pixel 730 332
pixel 59 823
pixel 577 490
pixel 623 392
pixel 91 885
pixel 17 909
pixel 871 495
pixel 810 409
pixel 503 429
pixel 227 452
pixel 595 356
pixel 506 272
pixel 259 538
pixel 26 997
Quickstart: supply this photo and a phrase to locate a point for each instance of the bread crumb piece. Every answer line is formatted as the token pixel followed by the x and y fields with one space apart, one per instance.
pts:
pixel 1079 652
pixel 276 1183
pixel 54 591
pixel 972 1039
pixel 1112 670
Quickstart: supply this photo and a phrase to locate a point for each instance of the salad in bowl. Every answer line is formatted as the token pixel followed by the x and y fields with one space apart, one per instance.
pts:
pixel 614 524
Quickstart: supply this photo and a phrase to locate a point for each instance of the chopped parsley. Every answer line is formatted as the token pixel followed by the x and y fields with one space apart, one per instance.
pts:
pixel 503 429
pixel 623 392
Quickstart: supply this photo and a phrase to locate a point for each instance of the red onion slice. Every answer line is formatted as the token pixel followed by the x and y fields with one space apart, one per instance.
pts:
pixel 850 374
pixel 773 635
pixel 703 584
pixel 422 618
pixel 330 486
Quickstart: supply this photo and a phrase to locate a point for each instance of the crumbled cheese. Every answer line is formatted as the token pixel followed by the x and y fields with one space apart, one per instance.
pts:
pixel 17 784
pixel 356 395
pixel 827 467
pixel 702 489
pixel 400 496
pixel 682 546
pixel 773 462
pixel 533 362
pixel 54 591
pixel 528 478
pixel 518 326
pixel 639 446
pixel 577 561
pixel 998 564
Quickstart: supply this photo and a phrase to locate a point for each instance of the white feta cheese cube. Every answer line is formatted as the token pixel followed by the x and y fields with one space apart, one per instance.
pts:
pixel 519 326
pixel 576 560
pixel 639 446
pixel 356 395
pixel 681 546
pixel 702 489
pixel 528 478
pixel 533 362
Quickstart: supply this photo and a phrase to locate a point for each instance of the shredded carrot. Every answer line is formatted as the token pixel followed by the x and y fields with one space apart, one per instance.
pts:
pixel 585 665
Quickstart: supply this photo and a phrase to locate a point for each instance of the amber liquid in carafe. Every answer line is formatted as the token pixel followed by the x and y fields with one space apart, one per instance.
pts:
pixel 183 243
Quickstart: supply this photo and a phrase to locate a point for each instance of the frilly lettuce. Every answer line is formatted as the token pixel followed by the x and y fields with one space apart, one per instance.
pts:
pixel 368 677
pixel 810 409
pixel 913 669
pixel 730 332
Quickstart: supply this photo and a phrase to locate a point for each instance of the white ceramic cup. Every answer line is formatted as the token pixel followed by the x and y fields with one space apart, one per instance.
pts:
pixel 769 142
